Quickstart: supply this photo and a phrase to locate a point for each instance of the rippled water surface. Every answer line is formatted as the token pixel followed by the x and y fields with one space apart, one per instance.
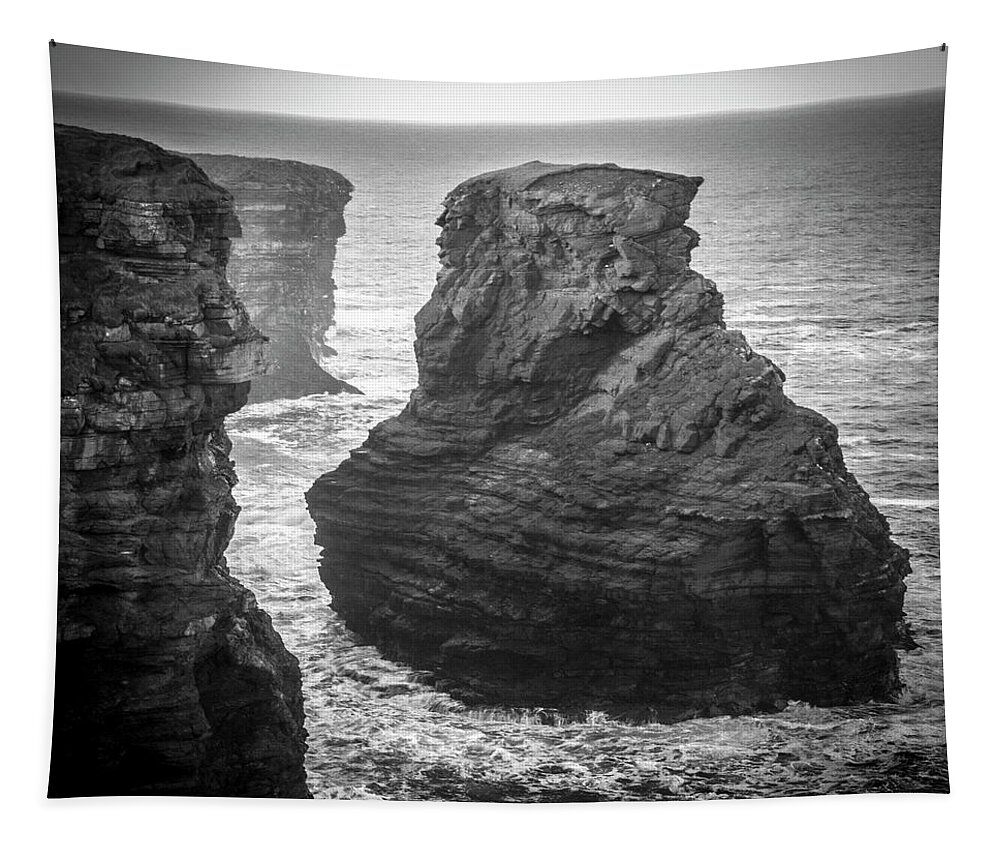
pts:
pixel 819 225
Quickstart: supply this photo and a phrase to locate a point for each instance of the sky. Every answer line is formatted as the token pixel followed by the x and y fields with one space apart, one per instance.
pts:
pixel 137 76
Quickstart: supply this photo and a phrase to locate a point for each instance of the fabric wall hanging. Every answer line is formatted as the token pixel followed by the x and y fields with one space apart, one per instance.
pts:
pixel 606 471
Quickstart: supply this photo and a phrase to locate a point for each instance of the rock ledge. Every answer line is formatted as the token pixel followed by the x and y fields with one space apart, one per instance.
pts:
pixel 169 678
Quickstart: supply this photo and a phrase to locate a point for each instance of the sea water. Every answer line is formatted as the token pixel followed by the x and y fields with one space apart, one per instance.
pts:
pixel 820 227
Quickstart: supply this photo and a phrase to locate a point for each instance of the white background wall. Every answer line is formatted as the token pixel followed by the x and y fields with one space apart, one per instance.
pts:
pixel 500 40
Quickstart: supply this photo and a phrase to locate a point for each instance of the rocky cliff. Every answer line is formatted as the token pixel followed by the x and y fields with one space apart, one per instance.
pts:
pixel 169 679
pixel 292 215
pixel 598 496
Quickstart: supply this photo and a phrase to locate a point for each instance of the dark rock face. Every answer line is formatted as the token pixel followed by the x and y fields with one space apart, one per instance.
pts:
pixel 292 215
pixel 169 679
pixel 598 495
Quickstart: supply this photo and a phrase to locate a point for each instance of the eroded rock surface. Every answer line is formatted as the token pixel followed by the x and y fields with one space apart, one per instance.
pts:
pixel 598 495
pixel 169 679
pixel 292 215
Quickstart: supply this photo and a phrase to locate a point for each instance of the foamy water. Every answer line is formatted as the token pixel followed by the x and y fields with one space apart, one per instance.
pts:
pixel 376 731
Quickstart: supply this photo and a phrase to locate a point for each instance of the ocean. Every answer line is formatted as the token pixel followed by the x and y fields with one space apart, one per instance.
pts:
pixel 820 227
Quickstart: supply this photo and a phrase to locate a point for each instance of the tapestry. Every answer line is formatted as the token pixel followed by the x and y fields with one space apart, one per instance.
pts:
pixel 606 471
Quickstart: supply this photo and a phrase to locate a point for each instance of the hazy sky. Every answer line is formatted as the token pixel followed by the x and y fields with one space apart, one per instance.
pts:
pixel 118 74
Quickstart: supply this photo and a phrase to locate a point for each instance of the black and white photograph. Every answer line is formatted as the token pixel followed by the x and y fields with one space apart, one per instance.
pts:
pixel 526 443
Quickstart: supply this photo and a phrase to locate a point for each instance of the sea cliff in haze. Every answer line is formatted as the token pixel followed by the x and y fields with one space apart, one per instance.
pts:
pixel 291 215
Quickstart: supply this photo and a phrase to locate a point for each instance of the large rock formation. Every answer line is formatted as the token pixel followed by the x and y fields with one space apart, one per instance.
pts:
pixel 598 495
pixel 169 679
pixel 292 215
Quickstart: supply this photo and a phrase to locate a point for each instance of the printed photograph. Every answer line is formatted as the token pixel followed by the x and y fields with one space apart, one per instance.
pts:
pixel 501 442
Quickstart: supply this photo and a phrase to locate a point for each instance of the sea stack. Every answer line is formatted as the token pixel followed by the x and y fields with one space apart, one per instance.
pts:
pixel 598 496
pixel 169 679
pixel 281 266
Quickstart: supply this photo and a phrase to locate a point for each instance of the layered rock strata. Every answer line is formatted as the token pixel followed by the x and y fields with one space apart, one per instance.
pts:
pixel 598 496
pixel 169 679
pixel 292 215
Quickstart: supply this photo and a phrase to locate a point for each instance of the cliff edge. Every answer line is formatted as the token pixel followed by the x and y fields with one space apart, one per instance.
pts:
pixel 169 679
pixel 598 496
pixel 281 266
